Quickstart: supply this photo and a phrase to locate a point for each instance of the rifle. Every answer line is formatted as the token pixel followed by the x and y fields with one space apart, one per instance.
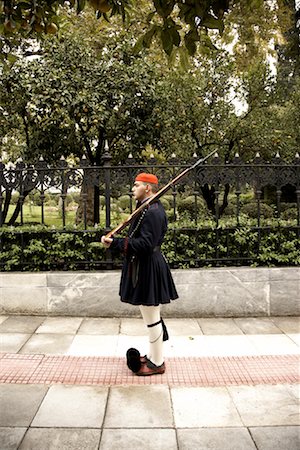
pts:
pixel 156 196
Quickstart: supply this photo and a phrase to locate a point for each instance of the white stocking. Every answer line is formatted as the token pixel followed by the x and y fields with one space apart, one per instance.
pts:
pixel 151 314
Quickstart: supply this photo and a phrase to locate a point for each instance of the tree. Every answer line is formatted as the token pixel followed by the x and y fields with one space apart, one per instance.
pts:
pixel 72 99
pixel 82 99
pixel 165 20
pixel 88 85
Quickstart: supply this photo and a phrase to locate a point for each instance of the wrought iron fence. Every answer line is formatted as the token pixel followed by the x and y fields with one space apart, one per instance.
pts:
pixel 208 211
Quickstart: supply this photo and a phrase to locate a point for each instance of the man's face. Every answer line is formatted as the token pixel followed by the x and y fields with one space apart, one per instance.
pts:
pixel 140 190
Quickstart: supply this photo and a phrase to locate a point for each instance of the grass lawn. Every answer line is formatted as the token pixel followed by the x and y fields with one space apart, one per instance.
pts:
pixel 32 214
pixel 52 216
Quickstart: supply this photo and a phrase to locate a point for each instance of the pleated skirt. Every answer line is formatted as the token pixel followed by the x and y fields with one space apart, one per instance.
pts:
pixel 154 286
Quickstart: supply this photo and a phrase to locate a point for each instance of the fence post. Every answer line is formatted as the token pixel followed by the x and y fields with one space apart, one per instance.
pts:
pixel 106 163
pixel 1 196
pixel 64 188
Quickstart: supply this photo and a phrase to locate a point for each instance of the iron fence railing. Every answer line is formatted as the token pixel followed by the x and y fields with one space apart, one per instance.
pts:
pixel 211 191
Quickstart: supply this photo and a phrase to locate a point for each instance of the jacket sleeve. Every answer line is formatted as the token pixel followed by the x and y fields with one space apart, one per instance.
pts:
pixel 150 232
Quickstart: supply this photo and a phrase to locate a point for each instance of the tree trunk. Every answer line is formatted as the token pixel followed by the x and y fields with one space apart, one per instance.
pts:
pixel 86 206
pixel 225 200
pixel 210 197
pixel 17 210
pixel 6 204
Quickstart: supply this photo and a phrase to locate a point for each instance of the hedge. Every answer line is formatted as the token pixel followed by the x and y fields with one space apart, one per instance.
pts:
pixel 40 248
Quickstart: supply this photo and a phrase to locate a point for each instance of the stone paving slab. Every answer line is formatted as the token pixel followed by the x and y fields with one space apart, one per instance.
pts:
pixel 61 439
pixel 60 325
pixel 254 325
pixel 189 327
pixel 3 318
pixel 48 344
pixel 265 405
pixel 139 407
pixel 219 326
pixel 276 438
pixel 204 407
pixel 177 346
pixel 12 343
pixel 21 324
pixel 93 345
pixel 273 344
pixel 287 324
pixel 11 437
pixel 132 438
pixel 72 406
pixel 19 404
pixel 234 438
pixel 215 439
pixel 100 326
pixel 132 327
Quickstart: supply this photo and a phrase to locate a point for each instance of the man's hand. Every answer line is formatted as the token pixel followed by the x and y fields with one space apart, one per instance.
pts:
pixel 106 241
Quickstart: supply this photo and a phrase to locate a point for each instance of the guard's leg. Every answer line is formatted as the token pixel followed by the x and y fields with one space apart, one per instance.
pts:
pixel 151 317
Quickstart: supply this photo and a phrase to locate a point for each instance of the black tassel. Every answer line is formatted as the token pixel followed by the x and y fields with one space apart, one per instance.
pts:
pixel 165 331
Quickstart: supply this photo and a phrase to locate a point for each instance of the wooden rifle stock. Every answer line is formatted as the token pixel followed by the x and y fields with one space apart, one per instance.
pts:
pixel 155 197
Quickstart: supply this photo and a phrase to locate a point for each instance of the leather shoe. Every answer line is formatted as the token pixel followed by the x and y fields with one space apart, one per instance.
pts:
pixel 144 359
pixel 150 369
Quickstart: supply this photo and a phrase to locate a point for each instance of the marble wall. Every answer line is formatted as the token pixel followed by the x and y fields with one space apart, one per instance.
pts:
pixel 224 292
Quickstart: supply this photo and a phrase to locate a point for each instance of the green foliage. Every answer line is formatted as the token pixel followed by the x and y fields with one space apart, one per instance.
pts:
pixel 250 209
pixel 124 202
pixel 185 246
pixel 289 213
pixel 247 197
pixel 47 250
pixel 76 98
pixel 188 206
pixel 91 86
pixel 267 247
pixel 165 203
pixel 165 21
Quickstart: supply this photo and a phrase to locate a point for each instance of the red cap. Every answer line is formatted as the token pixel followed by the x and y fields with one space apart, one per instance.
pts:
pixel 147 178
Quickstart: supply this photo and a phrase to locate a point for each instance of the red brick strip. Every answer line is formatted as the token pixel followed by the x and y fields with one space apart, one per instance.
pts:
pixel 214 371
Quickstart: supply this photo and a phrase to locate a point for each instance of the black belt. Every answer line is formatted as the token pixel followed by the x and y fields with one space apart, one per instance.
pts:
pixel 156 249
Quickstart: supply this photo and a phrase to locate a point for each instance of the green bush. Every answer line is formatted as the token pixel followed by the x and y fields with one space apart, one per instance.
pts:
pixel 250 209
pixel 169 198
pixel 170 215
pixel 102 201
pixel 47 250
pixel 124 202
pixel 39 248
pixel 187 206
pixel 230 210
pixel 192 248
pixel 35 197
pixel 289 214
pixel 247 197
pixel 52 203
pixel 50 200
pixel 285 206
pixel 165 203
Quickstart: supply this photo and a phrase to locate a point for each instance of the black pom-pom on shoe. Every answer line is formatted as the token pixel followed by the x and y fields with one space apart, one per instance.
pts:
pixel 133 358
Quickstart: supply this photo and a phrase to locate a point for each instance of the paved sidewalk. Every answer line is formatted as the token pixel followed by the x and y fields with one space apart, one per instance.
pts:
pixel 229 384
